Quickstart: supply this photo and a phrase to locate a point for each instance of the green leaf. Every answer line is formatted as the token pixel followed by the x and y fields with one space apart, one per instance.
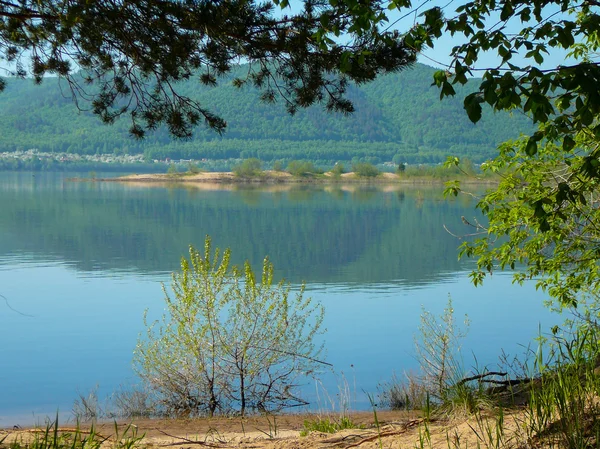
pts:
pixel 568 143
pixel 539 211
pixel 439 78
pixel 451 190
pixel 447 90
pixel 472 105
pixel 507 11
pixel 460 73
pixel 531 147
pixel 564 192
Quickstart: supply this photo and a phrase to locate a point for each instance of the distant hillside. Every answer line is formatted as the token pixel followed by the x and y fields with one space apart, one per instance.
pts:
pixel 398 114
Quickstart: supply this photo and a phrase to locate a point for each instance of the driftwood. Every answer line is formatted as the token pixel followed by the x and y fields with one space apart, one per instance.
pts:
pixel 408 425
pixel 187 441
pixel 340 441
pixel 482 377
pixel 506 383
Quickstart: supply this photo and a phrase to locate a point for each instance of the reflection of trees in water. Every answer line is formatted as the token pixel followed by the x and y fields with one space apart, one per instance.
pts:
pixel 312 234
pixel 337 193
pixel 365 194
pixel 250 197
pixel 300 194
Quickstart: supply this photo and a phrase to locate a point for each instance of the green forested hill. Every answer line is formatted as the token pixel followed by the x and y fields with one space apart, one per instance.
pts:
pixel 398 114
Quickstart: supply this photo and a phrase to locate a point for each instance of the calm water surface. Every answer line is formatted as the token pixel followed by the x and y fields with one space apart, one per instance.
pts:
pixel 80 262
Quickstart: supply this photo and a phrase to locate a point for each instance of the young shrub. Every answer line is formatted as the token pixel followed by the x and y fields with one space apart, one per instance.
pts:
pixel 438 352
pixel 133 403
pixel 443 375
pixel 249 168
pixel 365 169
pixel 403 394
pixel 229 341
pixel 87 407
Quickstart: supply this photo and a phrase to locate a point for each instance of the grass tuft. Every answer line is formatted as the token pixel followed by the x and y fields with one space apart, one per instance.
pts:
pixel 326 425
pixel 55 437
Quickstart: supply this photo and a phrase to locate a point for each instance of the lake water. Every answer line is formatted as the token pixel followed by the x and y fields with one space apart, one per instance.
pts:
pixel 80 262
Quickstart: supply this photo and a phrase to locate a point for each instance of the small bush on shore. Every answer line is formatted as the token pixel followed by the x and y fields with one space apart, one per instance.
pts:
pixel 407 394
pixel 231 341
pixel 134 403
pixel 87 407
pixel 338 169
pixel 249 168
pixel 172 169
pixel 365 169
pixel 302 168
pixel 193 169
pixel 441 381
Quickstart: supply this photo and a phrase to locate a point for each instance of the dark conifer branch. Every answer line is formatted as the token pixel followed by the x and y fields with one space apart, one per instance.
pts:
pixel 133 53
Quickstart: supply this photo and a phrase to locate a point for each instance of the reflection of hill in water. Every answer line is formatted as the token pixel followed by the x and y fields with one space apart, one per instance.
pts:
pixel 310 234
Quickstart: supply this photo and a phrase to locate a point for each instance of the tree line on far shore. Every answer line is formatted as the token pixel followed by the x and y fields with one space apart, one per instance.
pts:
pixel 398 115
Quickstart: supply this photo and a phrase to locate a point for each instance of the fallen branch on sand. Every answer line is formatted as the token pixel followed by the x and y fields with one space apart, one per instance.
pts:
pixel 340 440
pixel 187 441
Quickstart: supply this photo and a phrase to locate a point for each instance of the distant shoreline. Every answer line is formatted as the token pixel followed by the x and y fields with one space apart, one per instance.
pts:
pixel 269 177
